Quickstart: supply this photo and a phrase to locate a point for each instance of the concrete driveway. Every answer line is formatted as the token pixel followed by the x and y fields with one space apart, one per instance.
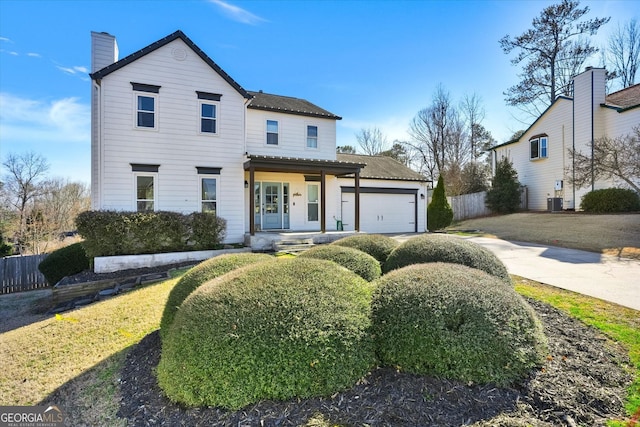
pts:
pixel 601 276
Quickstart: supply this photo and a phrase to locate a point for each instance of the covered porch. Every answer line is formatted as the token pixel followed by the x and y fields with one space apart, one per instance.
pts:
pixel 315 171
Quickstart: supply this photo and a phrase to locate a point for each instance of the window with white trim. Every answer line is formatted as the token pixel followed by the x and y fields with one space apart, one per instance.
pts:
pixel 209 194
pixel 313 204
pixel 146 111
pixel 145 193
pixel 312 136
pixel 272 132
pixel 538 147
pixel 208 117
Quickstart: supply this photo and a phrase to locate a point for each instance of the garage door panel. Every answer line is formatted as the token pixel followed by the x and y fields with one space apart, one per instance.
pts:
pixel 380 213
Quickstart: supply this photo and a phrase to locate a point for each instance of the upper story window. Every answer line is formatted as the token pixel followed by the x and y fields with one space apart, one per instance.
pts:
pixel 538 147
pixel 208 118
pixel 272 132
pixel 209 106
pixel 146 105
pixel 146 112
pixel 312 136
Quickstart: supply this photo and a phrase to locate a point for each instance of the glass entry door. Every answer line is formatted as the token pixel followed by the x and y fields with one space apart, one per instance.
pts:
pixel 272 205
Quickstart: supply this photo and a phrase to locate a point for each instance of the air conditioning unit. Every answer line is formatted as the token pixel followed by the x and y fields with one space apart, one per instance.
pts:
pixel 554 204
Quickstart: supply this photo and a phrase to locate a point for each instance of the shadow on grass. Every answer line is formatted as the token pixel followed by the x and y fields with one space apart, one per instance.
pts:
pixel 92 398
pixel 24 308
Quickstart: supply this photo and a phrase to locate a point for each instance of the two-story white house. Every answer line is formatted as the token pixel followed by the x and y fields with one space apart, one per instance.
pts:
pixel 172 131
pixel 541 155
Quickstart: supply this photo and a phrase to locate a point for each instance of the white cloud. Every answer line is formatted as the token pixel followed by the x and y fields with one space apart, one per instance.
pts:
pixel 237 13
pixel 34 55
pixel 47 123
pixel 9 52
pixel 76 70
pixel 5 39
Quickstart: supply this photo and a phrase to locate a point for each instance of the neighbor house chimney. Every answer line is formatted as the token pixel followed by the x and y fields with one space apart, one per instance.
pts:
pixel 104 50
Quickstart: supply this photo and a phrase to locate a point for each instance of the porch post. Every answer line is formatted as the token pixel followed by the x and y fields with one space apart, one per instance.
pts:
pixel 252 201
pixel 357 204
pixel 323 198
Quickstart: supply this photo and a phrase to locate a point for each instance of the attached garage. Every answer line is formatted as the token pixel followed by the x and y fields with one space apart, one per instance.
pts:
pixel 382 210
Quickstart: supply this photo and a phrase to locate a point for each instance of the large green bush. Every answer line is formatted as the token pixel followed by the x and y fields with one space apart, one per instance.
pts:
pixel 200 274
pixel 364 265
pixel 457 322
pixel 376 245
pixel 439 212
pixel 64 262
pixel 129 233
pixel 274 330
pixel 504 194
pixel 611 200
pixel 445 248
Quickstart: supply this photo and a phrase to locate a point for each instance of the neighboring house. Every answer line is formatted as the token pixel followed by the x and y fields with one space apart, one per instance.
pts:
pixel 172 131
pixel 541 155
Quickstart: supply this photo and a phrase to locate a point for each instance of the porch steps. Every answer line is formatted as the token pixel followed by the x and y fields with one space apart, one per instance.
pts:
pixel 293 246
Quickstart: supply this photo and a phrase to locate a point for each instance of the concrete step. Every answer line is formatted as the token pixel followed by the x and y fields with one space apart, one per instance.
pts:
pixel 293 245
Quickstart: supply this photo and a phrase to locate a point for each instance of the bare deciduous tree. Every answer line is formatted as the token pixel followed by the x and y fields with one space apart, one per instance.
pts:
pixel 371 141
pixel 617 158
pixel 552 52
pixel 623 53
pixel 23 184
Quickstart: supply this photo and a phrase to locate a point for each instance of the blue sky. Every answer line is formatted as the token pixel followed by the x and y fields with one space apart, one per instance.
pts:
pixel 375 63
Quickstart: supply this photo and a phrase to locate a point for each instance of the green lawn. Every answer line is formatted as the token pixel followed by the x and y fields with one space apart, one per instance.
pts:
pixel 84 349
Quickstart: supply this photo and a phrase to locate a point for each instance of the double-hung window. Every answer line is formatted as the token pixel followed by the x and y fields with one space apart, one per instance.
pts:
pixel 312 136
pixel 209 111
pixel 209 195
pixel 272 132
pixel 145 193
pixel 146 104
pixel 538 147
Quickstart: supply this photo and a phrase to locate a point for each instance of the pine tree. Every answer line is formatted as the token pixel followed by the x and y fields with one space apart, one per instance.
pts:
pixel 504 195
pixel 439 212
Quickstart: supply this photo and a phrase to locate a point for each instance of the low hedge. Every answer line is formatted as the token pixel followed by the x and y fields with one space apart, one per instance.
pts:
pixel 109 233
pixel 611 200
pixel 364 265
pixel 64 262
pixel 376 245
pixel 457 322
pixel 444 248
pixel 274 330
pixel 200 274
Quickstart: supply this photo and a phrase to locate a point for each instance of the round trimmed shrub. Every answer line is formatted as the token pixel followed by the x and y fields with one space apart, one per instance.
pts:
pixel 364 265
pixel 274 330
pixel 200 274
pixel 611 200
pixel 64 262
pixel 457 322
pixel 376 245
pixel 444 248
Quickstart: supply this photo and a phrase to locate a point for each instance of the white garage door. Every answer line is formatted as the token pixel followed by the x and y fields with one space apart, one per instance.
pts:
pixel 380 212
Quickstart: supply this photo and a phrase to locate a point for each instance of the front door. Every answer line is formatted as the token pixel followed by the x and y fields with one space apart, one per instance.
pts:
pixel 271 205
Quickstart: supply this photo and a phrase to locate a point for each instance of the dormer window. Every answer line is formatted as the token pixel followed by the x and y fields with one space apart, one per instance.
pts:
pixel 538 147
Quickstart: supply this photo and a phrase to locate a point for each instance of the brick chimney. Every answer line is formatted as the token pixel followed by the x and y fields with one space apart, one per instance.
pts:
pixel 104 50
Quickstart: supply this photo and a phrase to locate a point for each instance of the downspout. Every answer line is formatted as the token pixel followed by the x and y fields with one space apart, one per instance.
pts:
pixel 96 145
pixel 573 144
pixel 592 135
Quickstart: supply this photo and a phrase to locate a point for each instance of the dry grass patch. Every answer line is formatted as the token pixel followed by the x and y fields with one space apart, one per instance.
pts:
pixel 42 356
pixel 609 234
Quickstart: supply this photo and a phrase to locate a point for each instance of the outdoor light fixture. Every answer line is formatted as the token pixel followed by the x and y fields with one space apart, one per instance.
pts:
pixel 246 184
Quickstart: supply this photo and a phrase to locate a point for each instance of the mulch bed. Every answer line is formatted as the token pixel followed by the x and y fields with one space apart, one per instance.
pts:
pixel 583 382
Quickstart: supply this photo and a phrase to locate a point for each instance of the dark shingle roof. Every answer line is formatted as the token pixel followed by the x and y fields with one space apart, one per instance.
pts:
pixel 162 42
pixel 625 99
pixel 287 104
pixel 382 167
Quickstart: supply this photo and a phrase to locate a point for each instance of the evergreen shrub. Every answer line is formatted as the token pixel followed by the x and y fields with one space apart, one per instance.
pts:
pixel 439 212
pixel 364 265
pixel 611 200
pixel 64 262
pixel 457 322
pixel 429 248
pixel 504 194
pixel 275 330
pixel 376 245
pixel 200 274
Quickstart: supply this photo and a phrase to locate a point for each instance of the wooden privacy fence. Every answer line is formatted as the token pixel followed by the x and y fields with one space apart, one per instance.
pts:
pixel 20 273
pixel 469 206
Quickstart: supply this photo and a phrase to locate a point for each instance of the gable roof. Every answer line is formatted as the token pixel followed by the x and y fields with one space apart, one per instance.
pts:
pixel 382 167
pixel 160 43
pixel 624 99
pixel 287 104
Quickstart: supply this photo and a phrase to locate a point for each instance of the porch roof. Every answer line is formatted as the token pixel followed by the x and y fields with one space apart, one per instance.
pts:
pixel 300 165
